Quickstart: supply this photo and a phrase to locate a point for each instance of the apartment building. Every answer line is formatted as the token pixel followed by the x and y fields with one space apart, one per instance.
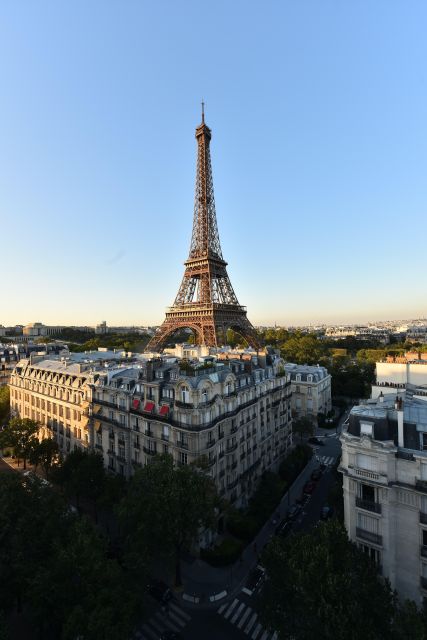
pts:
pixel 233 417
pixel 384 467
pixel 311 389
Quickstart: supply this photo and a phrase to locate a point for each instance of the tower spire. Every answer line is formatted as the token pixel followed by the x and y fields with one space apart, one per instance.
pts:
pixel 205 301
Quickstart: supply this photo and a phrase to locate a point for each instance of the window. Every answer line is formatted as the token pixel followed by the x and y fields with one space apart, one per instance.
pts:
pixel 366 462
pixel 310 378
pixel 368 523
pixel 309 391
pixel 367 492
pixel 366 429
pixel 424 441
pixel 182 458
pixel 185 394
pixel 204 395
pixel 298 377
pixel 297 390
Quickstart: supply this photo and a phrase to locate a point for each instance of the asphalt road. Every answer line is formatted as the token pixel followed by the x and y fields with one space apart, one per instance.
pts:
pixel 237 618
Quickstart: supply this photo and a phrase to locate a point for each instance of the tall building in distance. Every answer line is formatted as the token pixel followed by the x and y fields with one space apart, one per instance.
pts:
pixel 206 302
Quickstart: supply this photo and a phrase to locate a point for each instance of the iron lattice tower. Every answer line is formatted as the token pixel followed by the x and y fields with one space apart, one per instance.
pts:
pixel 206 302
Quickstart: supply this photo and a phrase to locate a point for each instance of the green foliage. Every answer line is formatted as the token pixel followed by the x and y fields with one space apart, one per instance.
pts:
pixel 227 552
pixel 321 586
pixel 4 403
pixel 304 349
pixel 82 474
pixel 126 341
pixel 302 426
pixel 20 434
pixel 165 508
pixel 44 453
pixel 241 525
pixel 294 463
pixel 54 566
pixel 245 524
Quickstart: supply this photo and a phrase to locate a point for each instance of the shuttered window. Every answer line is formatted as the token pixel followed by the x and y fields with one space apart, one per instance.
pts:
pixel 367 462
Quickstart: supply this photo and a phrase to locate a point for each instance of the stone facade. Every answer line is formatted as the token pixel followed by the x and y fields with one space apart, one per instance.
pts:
pixel 384 467
pixel 311 389
pixel 233 417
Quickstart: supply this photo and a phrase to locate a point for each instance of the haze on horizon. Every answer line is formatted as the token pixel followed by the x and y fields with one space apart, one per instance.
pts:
pixel 319 153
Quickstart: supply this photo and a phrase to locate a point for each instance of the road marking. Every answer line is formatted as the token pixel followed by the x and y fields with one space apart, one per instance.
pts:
pixel 274 636
pixel 179 611
pixel 244 617
pixel 222 607
pixel 230 608
pixel 148 632
pixel 251 622
pixel 247 591
pixel 237 613
pixel 178 621
pixel 256 632
pixel 264 635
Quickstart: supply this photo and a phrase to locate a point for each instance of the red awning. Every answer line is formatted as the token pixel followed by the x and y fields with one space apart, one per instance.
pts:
pixel 135 403
pixel 164 410
pixel 149 406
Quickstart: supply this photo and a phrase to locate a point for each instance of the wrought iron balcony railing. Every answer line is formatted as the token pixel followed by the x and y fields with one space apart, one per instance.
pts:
pixel 368 505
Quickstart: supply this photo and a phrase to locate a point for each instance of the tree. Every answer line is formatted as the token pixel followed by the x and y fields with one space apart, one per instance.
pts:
pixel 303 426
pixel 82 474
pixel 44 453
pixel 4 403
pixel 21 435
pixel 320 585
pixel 165 509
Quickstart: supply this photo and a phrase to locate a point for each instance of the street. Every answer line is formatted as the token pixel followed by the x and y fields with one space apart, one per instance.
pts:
pixel 236 617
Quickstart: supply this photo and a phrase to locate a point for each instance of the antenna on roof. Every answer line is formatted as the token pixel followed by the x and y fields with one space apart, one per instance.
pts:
pixel 203 112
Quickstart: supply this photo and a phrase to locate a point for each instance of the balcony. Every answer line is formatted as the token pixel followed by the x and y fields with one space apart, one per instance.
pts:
pixel 99 447
pixel 210 443
pixel 222 473
pixel 150 452
pixel 165 437
pixel 423 550
pixel 149 433
pixel 221 454
pixel 184 405
pixel 232 485
pixel 220 435
pixel 368 505
pixel 375 538
pixel 231 448
pixel 423 518
pixel 136 445
pixel 421 485
pixel 211 462
pixel 242 456
pixel 182 444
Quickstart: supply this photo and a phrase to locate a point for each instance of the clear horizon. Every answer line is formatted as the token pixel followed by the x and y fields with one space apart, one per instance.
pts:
pixel 319 145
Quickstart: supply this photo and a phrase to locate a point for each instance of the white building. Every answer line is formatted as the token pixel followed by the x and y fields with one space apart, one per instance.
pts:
pixel 311 389
pixel 394 374
pixel 384 467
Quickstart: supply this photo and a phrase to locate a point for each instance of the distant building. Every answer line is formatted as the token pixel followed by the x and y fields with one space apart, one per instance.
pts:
pixel 384 467
pixel 395 373
pixel 101 329
pixel 381 334
pixel 311 389
pixel 37 329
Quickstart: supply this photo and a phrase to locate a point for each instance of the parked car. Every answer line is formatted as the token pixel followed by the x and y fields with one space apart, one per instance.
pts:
pixel 294 511
pixel 316 474
pixel 160 591
pixel 283 528
pixel 326 512
pixel 309 487
pixel 316 441
pixel 256 578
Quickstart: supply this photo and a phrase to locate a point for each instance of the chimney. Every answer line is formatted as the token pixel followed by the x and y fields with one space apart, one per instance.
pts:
pixel 381 397
pixel 400 440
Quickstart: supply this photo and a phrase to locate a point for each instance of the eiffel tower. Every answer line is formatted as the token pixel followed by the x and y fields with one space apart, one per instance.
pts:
pixel 206 302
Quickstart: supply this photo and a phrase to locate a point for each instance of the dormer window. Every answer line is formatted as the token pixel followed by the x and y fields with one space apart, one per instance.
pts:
pixel 204 395
pixel 366 429
pixel 298 377
pixel 228 388
pixel 309 378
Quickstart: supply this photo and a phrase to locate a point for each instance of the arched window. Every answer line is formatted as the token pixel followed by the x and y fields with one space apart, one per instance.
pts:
pixel 204 395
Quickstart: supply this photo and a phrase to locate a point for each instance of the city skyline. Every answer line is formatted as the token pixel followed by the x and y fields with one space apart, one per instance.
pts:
pixel 318 159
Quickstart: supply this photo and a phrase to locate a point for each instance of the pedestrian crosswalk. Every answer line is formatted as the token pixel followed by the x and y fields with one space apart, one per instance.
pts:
pixel 245 618
pixel 171 619
pixel 329 461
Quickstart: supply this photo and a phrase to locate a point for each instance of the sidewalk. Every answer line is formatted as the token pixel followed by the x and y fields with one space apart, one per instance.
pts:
pixel 202 582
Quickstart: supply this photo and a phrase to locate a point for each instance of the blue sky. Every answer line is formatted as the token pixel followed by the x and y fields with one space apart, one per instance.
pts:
pixel 319 152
